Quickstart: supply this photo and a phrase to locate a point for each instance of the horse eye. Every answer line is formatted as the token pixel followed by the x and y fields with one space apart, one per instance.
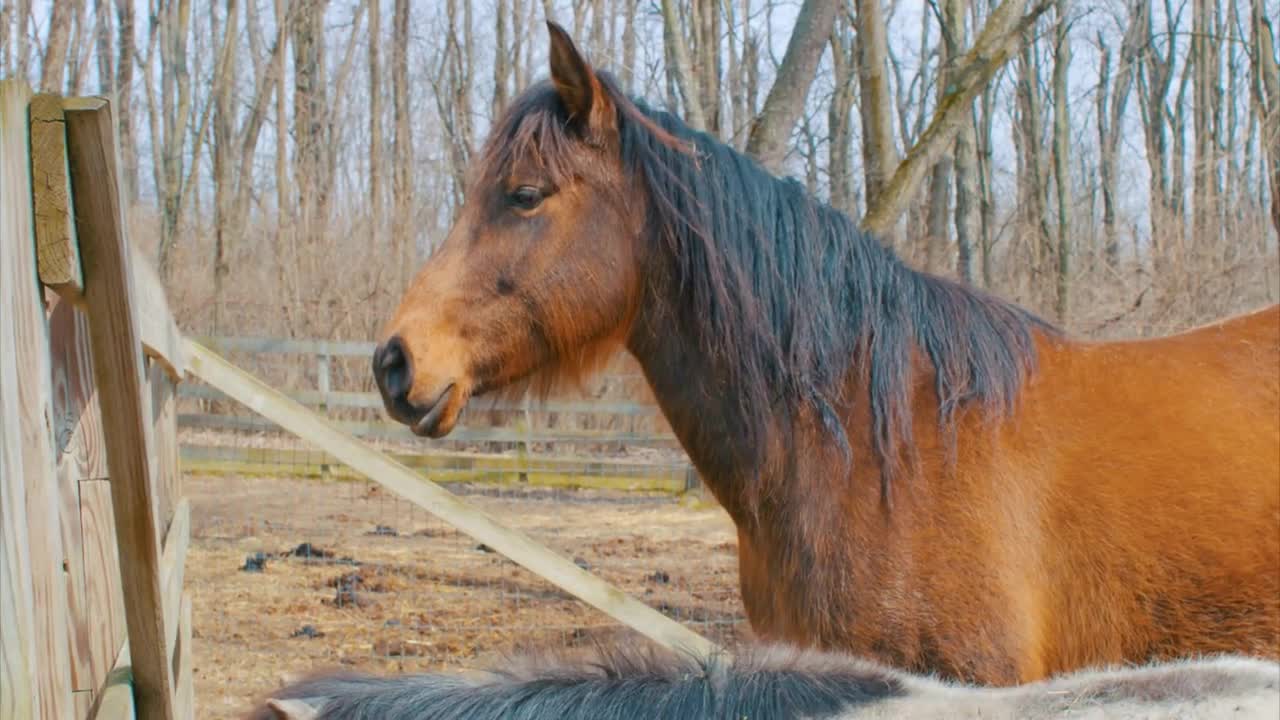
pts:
pixel 526 197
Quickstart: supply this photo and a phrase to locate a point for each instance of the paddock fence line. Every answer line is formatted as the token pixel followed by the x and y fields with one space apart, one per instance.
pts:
pixel 608 440
pixel 94 524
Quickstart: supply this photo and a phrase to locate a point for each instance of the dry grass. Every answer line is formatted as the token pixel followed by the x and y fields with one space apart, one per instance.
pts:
pixel 426 597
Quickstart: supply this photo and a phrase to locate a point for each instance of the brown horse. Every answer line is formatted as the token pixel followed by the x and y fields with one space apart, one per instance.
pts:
pixel 918 472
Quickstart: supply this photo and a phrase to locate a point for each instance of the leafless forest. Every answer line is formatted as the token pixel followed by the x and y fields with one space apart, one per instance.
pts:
pixel 1112 164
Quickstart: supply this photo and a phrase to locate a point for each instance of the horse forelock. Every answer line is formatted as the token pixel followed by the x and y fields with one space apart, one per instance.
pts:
pixel 782 292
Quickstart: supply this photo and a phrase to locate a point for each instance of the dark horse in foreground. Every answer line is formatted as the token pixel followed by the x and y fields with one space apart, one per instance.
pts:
pixel 777 684
pixel 919 473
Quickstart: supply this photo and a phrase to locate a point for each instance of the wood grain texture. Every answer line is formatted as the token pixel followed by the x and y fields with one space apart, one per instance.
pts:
pixel 116 701
pixel 104 595
pixel 48 579
pixel 57 249
pixel 403 481
pixel 77 420
pixel 165 448
pixel 173 570
pixel 186 692
pixel 157 329
pixel 19 699
pixel 118 372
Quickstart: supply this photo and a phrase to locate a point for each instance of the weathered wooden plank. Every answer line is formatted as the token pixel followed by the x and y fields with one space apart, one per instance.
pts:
pixel 77 420
pixel 390 431
pixel 104 595
pixel 373 401
pixel 57 248
pixel 172 570
pixel 186 692
pixel 118 371
pixel 157 329
pixel 514 544
pixel 165 447
pixel 19 697
pixel 289 346
pixel 48 581
pixel 116 701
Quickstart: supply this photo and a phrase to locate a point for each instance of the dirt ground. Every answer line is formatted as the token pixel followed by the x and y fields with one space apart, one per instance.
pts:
pixel 289 576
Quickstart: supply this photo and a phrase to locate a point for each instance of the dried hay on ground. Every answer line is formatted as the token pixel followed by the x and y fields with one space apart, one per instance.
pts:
pixel 389 588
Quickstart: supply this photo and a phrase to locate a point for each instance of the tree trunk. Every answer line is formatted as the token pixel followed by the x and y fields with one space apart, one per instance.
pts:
pixel 223 154
pixel 629 46
pixel 879 156
pixel 102 48
pixel 966 159
pixel 840 117
pixel 990 51
pixel 1061 168
pixel 23 18
pixel 77 52
pixel 6 19
pixel 499 58
pixel 401 183
pixel 375 124
pixel 1204 61
pixel 54 63
pixel 679 68
pixel 1267 99
pixel 772 127
pixel 124 89
pixel 309 112
pixel 175 83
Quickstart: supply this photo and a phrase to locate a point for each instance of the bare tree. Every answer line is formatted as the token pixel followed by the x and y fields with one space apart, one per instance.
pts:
pixel 680 71
pixel 879 155
pixel 223 150
pixel 1204 62
pixel 1061 150
pixel 6 19
pixel 991 49
pixel 375 123
pixel 402 178
pixel 126 52
pixel 840 115
pixel 102 47
pixel 174 29
pixel 785 102
pixel 1112 98
pixel 78 50
pixel 1266 93
pixel 54 62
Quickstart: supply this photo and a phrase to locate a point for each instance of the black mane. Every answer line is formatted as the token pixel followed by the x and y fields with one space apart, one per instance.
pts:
pixel 784 291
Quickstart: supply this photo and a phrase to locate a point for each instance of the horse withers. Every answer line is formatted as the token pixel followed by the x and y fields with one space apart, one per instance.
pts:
pixel 623 683
pixel 918 471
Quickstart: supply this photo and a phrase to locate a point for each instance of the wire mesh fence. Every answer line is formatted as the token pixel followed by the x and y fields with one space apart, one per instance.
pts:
pixel 297 562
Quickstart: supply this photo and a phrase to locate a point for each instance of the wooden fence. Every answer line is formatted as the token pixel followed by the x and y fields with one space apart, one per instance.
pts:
pixel 546 435
pixel 94 622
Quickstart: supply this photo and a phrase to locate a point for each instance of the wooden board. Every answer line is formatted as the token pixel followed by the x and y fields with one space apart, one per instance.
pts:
pixel 442 468
pixel 77 420
pixel 186 691
pixel 48 582
pixel 19 698
pixel 104 595
pixel 173 570
pixel 118 372
pixel 157 329
pixel 517 546
pixel 165 450
pixel 116 701
pixel 56 244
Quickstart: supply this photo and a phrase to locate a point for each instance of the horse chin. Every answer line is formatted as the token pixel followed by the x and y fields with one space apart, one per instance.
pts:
pixel 442 417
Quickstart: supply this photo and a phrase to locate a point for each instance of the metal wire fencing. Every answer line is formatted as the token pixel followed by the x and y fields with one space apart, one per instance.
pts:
pixel 298 562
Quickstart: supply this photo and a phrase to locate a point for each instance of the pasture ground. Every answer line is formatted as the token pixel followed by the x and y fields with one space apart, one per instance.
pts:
pixel 351 576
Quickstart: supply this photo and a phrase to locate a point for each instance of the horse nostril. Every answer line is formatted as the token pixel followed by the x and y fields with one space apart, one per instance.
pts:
pixel 391 368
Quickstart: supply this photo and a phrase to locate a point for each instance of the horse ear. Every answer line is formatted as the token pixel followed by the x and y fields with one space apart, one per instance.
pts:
pixel 580 90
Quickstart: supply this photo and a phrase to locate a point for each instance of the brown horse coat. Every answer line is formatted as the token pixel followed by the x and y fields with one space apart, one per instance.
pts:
pixel 919 472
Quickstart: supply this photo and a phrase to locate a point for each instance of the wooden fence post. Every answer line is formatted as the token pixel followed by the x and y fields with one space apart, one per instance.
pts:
pixel 119 374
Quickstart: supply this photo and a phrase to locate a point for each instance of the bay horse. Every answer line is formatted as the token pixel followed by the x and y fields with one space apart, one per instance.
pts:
pixel 621 683
pixel 918 471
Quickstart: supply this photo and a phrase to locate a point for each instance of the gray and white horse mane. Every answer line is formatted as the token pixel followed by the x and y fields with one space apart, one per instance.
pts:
pixel 629 683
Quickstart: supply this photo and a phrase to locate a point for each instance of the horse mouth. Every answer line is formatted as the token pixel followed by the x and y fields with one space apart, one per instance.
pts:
pixel 433 423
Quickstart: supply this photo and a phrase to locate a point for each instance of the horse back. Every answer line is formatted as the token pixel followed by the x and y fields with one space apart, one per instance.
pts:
pixel 1160 495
